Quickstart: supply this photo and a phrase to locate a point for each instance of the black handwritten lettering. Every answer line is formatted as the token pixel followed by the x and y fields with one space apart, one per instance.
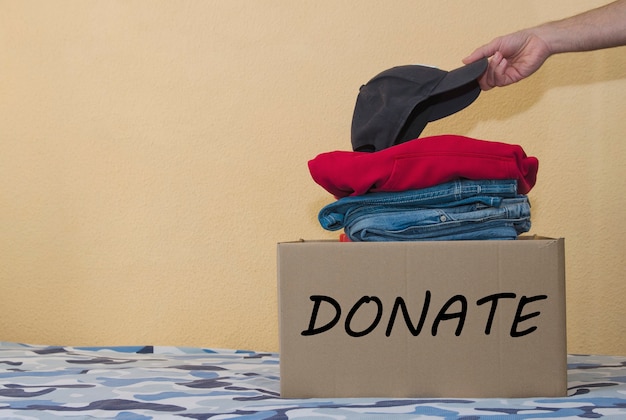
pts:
pixel 317 299
pixel 443 316
pixel 494 303
pixel 520 318
pixel 379 314
pixel 446 313
pixel 399 303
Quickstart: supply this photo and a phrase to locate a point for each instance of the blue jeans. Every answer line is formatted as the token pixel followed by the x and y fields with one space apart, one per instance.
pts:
pixel 458 210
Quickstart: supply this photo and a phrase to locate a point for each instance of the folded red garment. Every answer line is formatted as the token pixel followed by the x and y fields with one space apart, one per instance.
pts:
pixel 423 163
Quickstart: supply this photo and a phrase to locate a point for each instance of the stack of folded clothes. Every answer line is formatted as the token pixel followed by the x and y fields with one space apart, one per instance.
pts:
pixel 393 187
pixel 436 188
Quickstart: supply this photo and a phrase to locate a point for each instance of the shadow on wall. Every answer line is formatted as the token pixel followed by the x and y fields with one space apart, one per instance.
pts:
pixel 562 70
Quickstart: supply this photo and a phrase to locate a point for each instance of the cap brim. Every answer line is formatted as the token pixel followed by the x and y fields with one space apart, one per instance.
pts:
pixel 458 89
pixel 461 76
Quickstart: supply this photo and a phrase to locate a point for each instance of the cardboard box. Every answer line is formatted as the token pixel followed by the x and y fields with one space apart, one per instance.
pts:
pixel 474 319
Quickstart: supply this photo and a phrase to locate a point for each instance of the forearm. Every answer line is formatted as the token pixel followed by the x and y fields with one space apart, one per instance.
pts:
pixel 604 27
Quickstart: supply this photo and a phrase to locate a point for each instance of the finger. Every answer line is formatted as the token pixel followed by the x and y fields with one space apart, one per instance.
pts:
pixel 489 79
pixel 482 82
pixel 486 80
pixel 499 73
pixel 486 50
pixel 475 56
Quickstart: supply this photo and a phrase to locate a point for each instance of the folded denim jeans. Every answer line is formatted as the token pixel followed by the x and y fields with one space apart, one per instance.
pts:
pixel 475 221
pixel 454 193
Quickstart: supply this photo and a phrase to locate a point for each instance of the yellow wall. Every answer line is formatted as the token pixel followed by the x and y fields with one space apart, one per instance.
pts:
pixel 152 154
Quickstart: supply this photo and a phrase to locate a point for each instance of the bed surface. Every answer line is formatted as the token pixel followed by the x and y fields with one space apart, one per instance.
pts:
pixel 42 382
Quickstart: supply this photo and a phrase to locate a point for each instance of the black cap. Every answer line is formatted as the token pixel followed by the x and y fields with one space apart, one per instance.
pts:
pixel 396 105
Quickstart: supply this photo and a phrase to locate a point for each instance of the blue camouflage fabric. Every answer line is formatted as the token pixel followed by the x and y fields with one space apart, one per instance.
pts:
pixel 44 382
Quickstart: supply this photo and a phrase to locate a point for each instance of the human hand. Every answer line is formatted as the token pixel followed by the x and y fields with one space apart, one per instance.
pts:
pixel 513 58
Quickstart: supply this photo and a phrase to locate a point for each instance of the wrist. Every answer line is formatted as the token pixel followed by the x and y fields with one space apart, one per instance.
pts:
pixel 554 37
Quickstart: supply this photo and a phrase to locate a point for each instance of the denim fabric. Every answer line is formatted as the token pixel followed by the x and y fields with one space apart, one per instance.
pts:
pixel 451 194
pixel 464 222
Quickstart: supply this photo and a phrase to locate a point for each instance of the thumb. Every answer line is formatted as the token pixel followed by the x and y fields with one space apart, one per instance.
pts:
pixel 475 56
pixel 486 50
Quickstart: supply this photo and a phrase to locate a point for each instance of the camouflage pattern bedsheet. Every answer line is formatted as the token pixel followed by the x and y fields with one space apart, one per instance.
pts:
pixel 45 382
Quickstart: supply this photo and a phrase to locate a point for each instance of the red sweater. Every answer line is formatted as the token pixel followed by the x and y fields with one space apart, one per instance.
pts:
pixel 423 163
